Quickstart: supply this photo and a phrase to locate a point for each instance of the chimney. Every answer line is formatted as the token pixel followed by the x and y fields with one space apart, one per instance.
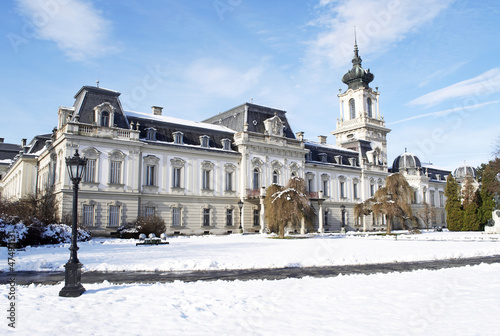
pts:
pixel 1 140
pixel 322 139
pixel 300 136
pixel 157 110
pixel 23 142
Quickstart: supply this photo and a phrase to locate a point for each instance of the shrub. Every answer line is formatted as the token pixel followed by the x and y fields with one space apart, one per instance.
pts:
pixel 150 224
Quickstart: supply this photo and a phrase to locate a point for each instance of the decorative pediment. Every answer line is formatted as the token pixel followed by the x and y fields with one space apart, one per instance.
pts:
pixel 207 165
pixel 276 164
pixel 117 155
pixel 151 159
pixel 257 162
pixel 177 162
pixel 274 126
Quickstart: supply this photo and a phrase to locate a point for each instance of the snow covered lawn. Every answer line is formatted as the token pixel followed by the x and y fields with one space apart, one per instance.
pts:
pixel 257 251
pixel 458 301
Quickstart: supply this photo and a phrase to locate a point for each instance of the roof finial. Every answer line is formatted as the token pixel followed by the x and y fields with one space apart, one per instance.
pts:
pixel 355 43
pixel 97 82
pixel 405 149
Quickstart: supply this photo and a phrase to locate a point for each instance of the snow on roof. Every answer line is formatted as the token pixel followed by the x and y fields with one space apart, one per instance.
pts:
pixel 6 161
pixel 172 120
pixel 431 166
pixel 317 144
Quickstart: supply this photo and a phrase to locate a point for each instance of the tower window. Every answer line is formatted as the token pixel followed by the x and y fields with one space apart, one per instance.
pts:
pixel 352 109
pixel 369 107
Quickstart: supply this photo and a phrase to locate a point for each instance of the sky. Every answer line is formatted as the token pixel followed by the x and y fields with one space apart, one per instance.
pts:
pixel 435 63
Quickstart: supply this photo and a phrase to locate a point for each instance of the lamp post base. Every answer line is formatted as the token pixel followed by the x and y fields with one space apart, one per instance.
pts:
pixel 73 286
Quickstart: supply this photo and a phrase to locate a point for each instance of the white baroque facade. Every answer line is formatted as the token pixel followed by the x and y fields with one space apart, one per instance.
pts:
pixel 192 174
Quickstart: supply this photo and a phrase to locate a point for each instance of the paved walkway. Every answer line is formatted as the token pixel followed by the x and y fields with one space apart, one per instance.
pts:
pixel 52 278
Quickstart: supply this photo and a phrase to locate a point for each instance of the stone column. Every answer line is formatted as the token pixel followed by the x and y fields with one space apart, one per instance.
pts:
pixel 302 226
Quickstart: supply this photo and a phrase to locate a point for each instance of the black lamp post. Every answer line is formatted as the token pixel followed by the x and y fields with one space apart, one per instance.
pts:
pixel 240 205
pixel 73 275
pixel 342 208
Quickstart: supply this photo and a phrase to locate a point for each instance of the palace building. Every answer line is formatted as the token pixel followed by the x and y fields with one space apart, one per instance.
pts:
pixel 193 174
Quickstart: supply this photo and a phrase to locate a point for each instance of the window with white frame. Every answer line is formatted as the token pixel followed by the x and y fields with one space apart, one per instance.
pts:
pixel 205 141
pixel 151 133
pixel 177 171
pixel 256 179
pixel 352 109
pixel 415 197
pixel 176 216
pixel 114 215
pixel 369 107
pixel 178 138
pixel 226 144
pixel 372 187
pixel 206 216
pixel 105 119
pixel 88 215
pixel 342 189
pixel 325 218
pixel 149 211
pixel 150 175
pixel 355 189
pixel 276 176
pixel 115 172
pixel 256 217
pixel 325 179
pixel 310 182
pixel 229 217
pixel 206 175
pixel 432 198
pixel 90 173
pixel 229 181
pixel 441 199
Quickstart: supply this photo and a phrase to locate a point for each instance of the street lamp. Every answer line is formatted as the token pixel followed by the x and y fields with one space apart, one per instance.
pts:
pixel 342 208
pixel 73 274
pixel 240 205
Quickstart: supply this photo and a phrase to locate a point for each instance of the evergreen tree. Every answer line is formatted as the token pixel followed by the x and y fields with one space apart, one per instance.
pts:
pixel 454 214
pixel 468 191
pixel 471 220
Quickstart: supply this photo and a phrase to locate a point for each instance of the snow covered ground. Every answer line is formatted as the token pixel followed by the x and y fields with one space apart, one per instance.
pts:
pixel 257 251
pixel 458 301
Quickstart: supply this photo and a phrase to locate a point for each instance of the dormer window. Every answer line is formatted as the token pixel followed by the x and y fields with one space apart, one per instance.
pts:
pixel 178 138
pixel 205 141
pixel 226 144
pixel 323 157
pixel 105 119
pixel 151 134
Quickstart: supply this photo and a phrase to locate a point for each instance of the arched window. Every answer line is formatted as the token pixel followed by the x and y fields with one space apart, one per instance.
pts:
pixel 352 108
pixel 369 107
pixel 276 177
pixel 105 119
pixel 256 178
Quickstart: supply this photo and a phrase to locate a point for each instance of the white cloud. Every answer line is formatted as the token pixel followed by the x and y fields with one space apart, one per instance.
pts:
pixel 222 80
pixel 444 112
pixel 77 28
pixel 484 84
pixel 379 24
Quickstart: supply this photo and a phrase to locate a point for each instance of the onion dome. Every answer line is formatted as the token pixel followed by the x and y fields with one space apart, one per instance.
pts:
pixel 357 77
pixel 463 171
pixel 406 160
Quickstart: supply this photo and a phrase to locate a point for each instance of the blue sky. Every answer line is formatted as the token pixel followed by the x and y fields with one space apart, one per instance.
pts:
pixel 435 63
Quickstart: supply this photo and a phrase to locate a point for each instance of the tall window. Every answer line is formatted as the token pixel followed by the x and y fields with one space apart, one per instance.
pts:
pixel 205 141
pixel 229 217
pixel 90 171
pixel 352 109
pixel 229 181
pixel 369 107
pixel 325 218
pixel 150 175
pixel 326 190
pixel 342 189
pixel 355 190
pixel 424 197
pixel 149 211
pixel 105 119
pixel 205 179
pixel 372 189
pixel 88 215
pixel 178 137
pixel 206 217
pixel 415 197
pixel 432 196
pixel 441 199
pixel 276 177
pixel 256 217
pixel 114 215
pixel 176 177
pixel 176 216
pixel 256 178
pixel 115 173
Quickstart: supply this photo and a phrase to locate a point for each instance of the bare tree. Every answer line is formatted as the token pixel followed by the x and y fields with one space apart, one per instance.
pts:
pixel 426 214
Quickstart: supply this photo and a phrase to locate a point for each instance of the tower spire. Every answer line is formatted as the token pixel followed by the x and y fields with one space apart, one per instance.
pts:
pixel 355 44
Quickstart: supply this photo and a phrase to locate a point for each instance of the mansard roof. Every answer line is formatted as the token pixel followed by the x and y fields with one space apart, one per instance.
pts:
pixel 332 152
pixel 253 115
pixel 89 97
pixel 8 151
pixel 165 127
